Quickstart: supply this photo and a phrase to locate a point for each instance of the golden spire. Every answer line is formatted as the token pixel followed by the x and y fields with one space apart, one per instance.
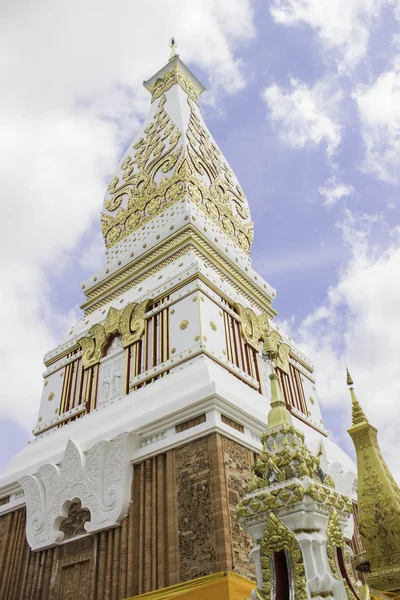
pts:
pixel 278 414
pixel 357 412
pixel 378 504
pixel 173 45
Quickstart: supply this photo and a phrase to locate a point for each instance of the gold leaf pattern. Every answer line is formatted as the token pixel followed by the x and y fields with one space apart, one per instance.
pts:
pixel 176 75
pixel 253 326
pixel 198 173
pixel 93 345
pixel 132 322
pixel 277 537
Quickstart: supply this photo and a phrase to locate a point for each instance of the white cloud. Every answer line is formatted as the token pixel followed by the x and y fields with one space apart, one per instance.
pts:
pixel 378 106
pixel 71 77
pixel 94 254
pixel 342 26
pixel 359 325
pixel 305 115
pixel 333 190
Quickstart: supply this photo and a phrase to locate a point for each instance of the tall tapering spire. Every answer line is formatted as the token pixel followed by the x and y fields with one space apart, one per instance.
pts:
pixel 378 504
pixel 173 159
pixel 357 413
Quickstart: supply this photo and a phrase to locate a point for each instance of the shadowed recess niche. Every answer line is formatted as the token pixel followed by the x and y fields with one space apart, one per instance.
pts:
pixel 74 524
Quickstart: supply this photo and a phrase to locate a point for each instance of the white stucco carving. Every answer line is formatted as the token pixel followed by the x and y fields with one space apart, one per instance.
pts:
pixel 111 373
pixel 100 479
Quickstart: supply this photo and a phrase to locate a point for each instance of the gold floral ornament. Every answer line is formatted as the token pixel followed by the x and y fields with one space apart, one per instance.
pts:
pixel 198 173
pixel 157 151
pixel 132 323
pixel 282 360
pixel 276 538
pixel 184 324
pixel 335 539
pixel 93 345
pixel 175 75
pixel 293 459
pixel 112 321
pixel 276 350
pixel 51 396
pixel 253 327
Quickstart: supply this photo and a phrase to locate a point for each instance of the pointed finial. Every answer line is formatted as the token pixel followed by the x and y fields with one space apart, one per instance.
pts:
pixel 357 412
pixel 349 379
pixel 173 45
pixel 278 414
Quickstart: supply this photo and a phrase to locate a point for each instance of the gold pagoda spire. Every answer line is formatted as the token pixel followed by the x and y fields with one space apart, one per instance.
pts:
pixel 357 412
pixel 278 414
pixel 378 505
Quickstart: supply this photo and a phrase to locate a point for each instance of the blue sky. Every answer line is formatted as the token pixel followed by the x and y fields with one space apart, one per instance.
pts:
pixel 303 97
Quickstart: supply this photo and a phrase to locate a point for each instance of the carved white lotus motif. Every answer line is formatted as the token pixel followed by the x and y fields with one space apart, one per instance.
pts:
pixel 100 479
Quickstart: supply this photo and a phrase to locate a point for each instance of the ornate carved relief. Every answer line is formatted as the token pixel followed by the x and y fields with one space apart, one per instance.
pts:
pixel 176 75
pixel 74 578
pixel 278 537
pixel 93 345
pixel 195 169
pixel 111 373
pixel 253 326
pixel 130 324
pixel 335 539
pixel 112 321
pixel 100 479
pixel 197 553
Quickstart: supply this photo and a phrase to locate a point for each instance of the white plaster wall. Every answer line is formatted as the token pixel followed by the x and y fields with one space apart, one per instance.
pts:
pixel 212 325
pixel 52 385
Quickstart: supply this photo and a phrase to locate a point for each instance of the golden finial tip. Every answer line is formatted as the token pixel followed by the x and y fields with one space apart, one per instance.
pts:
pixel 349 380
pixel 173 45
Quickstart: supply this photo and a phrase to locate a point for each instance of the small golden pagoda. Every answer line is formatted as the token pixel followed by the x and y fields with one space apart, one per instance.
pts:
pixel 378 504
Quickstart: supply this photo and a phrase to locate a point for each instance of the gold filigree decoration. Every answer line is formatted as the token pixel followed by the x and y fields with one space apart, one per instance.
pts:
pixel 321 494
pixel 253 327
pixel 278 537
pixel 157 152
pixel 291 459
pixel 51 396
pixel 176 75
pixel 132 322
pixel 200 175
pixel 379 507
pixel 335 539
pixel 213 326
pixel 112 321
pixel 184 324
pixel 282 360
pixel 264 502
pixel 93 345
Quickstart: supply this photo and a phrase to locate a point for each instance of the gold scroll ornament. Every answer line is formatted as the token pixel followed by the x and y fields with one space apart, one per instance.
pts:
pixel 129 323
pixel 255 328
pixel 196 171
